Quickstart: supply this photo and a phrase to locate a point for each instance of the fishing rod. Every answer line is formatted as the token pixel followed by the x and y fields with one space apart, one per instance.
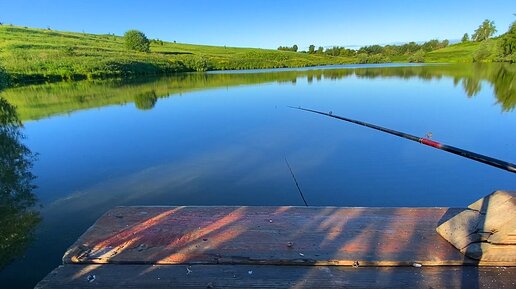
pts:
pixel 451 149
pixel 295 181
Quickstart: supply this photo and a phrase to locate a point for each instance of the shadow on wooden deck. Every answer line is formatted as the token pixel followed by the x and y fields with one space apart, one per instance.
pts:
pixel 234 247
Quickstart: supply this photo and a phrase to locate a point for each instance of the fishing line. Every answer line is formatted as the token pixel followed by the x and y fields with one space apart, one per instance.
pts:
pixel 295 181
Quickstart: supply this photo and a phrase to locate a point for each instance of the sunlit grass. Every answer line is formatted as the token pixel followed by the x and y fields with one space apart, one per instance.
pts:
pixel 39 54
pixel 461 52
pixel 31 54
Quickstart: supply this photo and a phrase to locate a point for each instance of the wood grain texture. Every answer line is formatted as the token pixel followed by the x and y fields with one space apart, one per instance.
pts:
pixel 269 276
pixel 269 235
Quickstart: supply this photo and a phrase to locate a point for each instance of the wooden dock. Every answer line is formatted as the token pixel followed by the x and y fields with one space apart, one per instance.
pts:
pixel 273 247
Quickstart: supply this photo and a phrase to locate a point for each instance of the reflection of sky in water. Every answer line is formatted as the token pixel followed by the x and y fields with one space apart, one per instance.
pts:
pixel 227 146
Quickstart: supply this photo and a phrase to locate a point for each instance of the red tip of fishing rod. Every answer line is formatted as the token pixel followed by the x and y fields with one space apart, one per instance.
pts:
pixel 430 143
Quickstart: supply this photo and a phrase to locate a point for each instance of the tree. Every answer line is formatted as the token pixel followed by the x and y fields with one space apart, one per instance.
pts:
pixel 418 57
pixel 311 49
pixel 286 48
pixel 334 51
pixel 374 58
pixel 373 49
pixel 18 219
pixel 146 100
pixel 508 44
pixel 136 40
pixel 465 38
pixel 320 50
pixel 346 52
pixel 430 45
pixel 484 31
pixel 410 47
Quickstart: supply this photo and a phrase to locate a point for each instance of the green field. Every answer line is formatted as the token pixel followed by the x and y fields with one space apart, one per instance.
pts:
pixel 455 53
pixel 39 54
pixel 460 52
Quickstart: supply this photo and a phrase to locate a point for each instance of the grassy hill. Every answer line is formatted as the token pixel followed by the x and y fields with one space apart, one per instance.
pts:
pixel 31 54
pixel 462 52
pixel 40 54
pixel 455 53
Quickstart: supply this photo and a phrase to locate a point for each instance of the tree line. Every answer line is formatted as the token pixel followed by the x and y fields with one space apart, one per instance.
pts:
pixel 136 40
pixel 294 48
pixel 485 31
pixel 402 49
pixel 505 50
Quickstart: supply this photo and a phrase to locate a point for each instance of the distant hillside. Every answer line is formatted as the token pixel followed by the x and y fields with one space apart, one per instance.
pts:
pixel 31 54
pixel 461 52
pixel 36 54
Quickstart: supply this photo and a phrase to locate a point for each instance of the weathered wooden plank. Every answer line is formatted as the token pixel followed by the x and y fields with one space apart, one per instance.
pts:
pixel 269 235
pixel 269 276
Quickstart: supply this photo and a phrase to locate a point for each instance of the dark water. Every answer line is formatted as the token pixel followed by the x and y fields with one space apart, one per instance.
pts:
pixel 222 139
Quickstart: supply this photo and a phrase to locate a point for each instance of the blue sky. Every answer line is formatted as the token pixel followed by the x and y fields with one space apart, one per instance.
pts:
pixel 266 23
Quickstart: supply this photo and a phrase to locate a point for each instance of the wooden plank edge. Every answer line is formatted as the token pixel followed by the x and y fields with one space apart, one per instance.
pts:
pixel 270 276
pixel 70 256
pixel 304 262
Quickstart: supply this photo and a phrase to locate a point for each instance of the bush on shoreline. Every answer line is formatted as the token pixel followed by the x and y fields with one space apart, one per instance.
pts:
pixel 364 58
pixel 418 57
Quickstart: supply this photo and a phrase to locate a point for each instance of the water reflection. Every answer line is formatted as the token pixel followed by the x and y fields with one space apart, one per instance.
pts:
pixel 18 219
pixel 228 146
pixel 146 100
pixel 41 101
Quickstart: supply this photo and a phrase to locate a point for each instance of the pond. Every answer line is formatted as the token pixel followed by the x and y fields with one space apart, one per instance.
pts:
pixel 225 138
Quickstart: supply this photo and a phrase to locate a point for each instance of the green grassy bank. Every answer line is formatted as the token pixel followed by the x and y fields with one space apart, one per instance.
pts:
pixel 38 54
pixel 42 55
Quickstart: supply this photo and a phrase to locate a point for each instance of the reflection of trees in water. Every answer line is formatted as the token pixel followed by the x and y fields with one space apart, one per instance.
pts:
pixel 17 217
pixel 502 76
pixel 146 100
pixel 39 101
pixel 504 83
pixel 471 86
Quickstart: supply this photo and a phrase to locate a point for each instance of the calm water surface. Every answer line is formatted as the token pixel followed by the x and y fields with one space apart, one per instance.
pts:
pixel 222 139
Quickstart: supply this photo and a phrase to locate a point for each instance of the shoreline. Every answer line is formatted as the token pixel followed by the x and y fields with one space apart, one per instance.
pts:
pixel 34 79
pixel 32 55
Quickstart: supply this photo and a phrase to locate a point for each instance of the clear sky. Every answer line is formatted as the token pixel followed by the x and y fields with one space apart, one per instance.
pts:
pixel 266 23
